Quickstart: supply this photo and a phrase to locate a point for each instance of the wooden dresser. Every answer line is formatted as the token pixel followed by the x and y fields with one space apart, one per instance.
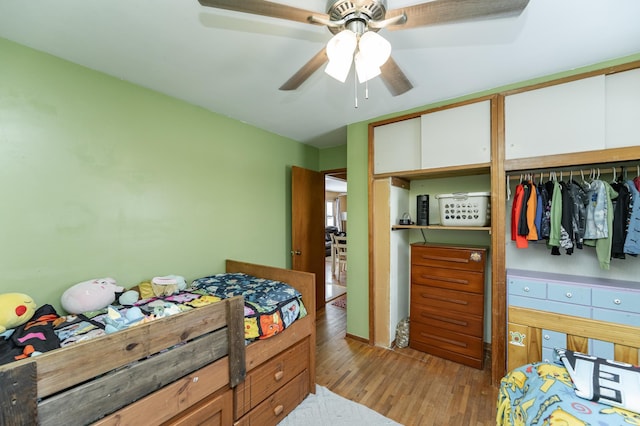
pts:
pixel 273 389
pixel 447 302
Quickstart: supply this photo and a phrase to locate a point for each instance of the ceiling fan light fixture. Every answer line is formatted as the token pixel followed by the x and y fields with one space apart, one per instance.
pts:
pixel 375 48
pixel 340 53
pixel 365 68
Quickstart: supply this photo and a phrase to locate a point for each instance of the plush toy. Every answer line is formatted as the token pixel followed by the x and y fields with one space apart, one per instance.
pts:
pixel 90 295
pixel 15 310
pixel 129 297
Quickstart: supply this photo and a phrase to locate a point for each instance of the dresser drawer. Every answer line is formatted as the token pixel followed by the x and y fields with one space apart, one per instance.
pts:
pixel 275 408
pixel 447 300
pixel 422 337
pixel 620 317
pixel 454 279
pixel 460 322
pixel 553 339
pixel 618 300
pixel 265 379
pixel 449 257
pixel 527 288
pixel 569 294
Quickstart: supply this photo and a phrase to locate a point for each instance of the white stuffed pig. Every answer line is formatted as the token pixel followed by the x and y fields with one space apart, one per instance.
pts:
pixel 90 295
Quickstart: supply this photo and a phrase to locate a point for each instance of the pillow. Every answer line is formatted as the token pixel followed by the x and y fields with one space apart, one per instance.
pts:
pixel 602 380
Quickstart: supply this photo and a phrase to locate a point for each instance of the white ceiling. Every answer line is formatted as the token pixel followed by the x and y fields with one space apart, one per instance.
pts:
pixel 233 63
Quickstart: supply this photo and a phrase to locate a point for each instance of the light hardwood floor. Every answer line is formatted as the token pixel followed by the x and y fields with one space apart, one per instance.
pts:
pixel 408 386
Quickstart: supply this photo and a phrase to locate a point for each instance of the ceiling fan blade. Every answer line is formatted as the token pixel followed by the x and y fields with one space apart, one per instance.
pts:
pixel 448 11
pixel 394 78
pixel 264 8
pixel 305 72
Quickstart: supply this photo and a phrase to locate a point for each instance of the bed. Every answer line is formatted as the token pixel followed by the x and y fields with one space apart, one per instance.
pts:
pixel 188 368
pixel 546 392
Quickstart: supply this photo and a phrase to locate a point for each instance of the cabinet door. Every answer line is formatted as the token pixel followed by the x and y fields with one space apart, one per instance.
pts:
pixel 457 136
pixel 557 119
pixel 623 109
pixel 396 146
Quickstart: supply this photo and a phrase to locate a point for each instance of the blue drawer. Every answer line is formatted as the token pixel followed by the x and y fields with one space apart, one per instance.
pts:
pixel 553 339
pixel 550 306
pixel 569 293
pixel 549 355
pixel 567 309
pixel 526 302
pixel 527 288
pixel 619 317
pixel 619 300
pixel 602 349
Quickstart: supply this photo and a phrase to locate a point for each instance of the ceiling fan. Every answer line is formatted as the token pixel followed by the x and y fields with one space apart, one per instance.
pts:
pixel 355 23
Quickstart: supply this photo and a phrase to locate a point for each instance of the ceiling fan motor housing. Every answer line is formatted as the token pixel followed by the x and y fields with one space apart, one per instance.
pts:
pixel 356 14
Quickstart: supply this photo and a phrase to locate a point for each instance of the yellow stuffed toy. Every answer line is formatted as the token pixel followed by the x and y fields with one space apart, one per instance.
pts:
pixel 15 310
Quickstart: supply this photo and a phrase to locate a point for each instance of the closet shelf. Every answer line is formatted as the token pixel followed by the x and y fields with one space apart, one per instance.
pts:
pixel 440 227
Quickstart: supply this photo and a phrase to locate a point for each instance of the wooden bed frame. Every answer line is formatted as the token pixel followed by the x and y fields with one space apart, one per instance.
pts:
pixel 530 323
pixel 130 377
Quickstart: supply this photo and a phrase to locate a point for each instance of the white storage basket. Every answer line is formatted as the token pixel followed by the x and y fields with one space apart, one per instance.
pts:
pixel 464 208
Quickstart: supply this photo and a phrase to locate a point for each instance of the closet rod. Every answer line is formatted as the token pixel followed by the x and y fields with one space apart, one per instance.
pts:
pixel 632 168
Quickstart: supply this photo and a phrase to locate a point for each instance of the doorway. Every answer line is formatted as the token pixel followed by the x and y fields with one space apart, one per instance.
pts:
pixel 335 196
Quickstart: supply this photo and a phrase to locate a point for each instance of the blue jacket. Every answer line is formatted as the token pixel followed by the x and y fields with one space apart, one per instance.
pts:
pixel 632 242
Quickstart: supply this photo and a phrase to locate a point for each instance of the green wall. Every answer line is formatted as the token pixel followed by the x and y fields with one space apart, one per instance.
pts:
pixel 333 158
pixel 357 161
pixel 100 178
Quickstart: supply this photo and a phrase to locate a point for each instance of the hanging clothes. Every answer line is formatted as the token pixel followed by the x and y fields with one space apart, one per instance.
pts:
pixel 545 219
pixel 580 201
pixel 516 208
pixel 632 240
pixel 621 208
pixel 566 220
pixel 555 232
pixel 523 224
pixel 603 244
pixel 596 225
pixel 532 204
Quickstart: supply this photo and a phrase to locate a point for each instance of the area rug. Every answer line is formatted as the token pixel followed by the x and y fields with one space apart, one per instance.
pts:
pixel 326 408
pixel 340 302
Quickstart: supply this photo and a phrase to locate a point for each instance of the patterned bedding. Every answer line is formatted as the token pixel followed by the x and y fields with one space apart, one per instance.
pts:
pixel 544 394
pixel 269 307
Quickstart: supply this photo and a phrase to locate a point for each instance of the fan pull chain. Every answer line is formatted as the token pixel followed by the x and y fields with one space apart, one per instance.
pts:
pixel 355 89
pixel 366 89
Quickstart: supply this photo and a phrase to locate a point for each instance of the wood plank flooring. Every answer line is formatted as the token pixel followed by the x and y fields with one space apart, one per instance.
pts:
pixel 408 386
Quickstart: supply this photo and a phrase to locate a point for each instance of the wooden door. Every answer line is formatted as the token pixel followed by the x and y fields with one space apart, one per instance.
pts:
pixel 307 226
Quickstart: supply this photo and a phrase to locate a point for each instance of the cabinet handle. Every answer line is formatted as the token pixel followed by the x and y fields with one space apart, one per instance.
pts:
pixel 547 337
pixel 617 301
pixel 569 295
pixel 278 410
pixel 278 376
pixel 526 289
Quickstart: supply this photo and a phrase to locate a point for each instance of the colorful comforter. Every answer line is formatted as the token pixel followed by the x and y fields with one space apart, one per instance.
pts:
pixel 269 308
pixel 544 394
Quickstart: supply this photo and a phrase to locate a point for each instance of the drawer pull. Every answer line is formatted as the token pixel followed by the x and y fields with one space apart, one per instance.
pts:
pixel 444 299
pixel 278 376
pixel 569 295
pixel 526 289
pixel 445 279
pixel 617 301
pixel 443 319
pixel 547 337
pixel 278 410
pixel 445 340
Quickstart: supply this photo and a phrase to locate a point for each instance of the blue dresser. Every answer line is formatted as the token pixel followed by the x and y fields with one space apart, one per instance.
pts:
pixel 599 299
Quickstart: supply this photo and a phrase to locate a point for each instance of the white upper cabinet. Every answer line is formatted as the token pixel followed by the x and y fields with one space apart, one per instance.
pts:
pixel 457 136
pixel 558 119
pixel 397 146
pixel 623 109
